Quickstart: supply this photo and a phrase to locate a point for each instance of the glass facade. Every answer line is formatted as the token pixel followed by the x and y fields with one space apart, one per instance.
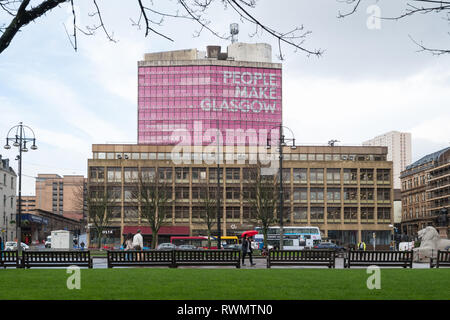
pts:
pixel 192 101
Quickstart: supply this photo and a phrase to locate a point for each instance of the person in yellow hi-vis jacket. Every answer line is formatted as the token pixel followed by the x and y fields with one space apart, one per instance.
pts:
pixel 362 246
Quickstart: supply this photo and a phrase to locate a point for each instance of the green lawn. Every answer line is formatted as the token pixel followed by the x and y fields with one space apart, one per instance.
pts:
pixel 215 284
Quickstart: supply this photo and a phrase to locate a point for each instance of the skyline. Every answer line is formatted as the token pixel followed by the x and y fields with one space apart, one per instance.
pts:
pixel 399 88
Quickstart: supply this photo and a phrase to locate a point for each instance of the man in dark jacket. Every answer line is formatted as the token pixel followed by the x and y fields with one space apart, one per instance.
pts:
pixel 247 249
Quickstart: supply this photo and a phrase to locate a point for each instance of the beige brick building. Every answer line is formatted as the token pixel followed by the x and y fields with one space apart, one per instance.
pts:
pixel 60 195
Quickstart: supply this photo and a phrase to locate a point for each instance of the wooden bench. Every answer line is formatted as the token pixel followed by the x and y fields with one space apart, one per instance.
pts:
pixel 174 258
pixel 442 259
pixel 56 259
pixel 208 258
pixel 301 258
pixel 140 258
pixel 9 259
pixel 380 258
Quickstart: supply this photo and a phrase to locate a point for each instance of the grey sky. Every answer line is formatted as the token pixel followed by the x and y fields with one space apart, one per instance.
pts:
pixel 367 82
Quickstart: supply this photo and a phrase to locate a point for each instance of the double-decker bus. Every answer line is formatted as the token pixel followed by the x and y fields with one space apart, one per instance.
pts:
pixel 293 237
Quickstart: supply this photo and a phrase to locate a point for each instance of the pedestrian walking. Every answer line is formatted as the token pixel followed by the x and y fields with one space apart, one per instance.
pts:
pixel 138 243
pixel 247 249
pixel 128 245
pixel 82 245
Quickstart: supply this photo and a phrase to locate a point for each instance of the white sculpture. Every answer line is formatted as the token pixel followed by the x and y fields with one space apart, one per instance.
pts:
pixel 430 243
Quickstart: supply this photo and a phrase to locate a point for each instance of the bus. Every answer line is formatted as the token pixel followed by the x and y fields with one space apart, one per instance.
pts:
pixel 202 241
pixel 294 238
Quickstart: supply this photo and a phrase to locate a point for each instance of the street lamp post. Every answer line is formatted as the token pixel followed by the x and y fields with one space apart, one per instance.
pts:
pixel 20 139
pixel 282 142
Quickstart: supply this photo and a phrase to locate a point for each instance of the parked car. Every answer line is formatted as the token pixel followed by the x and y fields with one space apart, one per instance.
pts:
pixel 166 246
pixel 329 246
pixel 187 247
pixel 233 247
pixel 12 245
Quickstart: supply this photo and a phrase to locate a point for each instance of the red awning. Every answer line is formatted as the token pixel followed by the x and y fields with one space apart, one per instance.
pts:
pixel 164 230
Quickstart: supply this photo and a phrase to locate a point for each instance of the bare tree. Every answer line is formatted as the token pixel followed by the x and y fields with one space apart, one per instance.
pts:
pixel 99 206
pixel 154 201
pixel 209 215
pixel 412 7
pixel 263 196
pixel 152 17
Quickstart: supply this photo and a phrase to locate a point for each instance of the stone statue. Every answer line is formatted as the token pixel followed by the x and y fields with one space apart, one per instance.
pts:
pixel 430 243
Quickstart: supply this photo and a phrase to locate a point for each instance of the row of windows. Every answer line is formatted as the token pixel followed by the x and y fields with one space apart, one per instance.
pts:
pixel 299 175
pixel 287 156
pixel 300 214
pixel 316 195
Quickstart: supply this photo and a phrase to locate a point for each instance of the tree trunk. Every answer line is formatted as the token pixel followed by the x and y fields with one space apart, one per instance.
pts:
pixel 154 239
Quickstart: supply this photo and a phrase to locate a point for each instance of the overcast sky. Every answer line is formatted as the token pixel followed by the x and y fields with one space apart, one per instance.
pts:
pixel 368 81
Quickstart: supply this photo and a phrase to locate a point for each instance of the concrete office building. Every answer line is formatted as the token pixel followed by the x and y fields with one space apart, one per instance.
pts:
pixel 8 185
pixel 399 151
pixel 345 191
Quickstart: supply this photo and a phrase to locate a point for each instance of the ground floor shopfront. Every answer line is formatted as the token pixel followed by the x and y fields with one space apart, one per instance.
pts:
pixel 348 236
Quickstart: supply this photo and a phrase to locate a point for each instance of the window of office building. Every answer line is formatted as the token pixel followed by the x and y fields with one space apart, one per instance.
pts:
pixel 300 214
pixel 333 195
pixel 114 174
pixel 333 176
pixel 333 215
pixel 367 214
pixel 316 175
pixel 366 176
pixel 350 176
pixel 300 194
pixel 350 214
pixel 316 195
pixel 366 195
pixel 316 214
pixel 300 175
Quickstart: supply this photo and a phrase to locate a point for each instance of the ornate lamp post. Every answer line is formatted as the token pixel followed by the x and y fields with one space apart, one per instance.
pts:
pixel 19 135
pixel 281 143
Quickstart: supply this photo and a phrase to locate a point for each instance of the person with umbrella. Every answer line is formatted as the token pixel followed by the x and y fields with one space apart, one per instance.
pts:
pixel 247 249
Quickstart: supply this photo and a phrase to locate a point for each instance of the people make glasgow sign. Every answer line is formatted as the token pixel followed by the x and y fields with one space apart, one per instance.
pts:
pixel 252 92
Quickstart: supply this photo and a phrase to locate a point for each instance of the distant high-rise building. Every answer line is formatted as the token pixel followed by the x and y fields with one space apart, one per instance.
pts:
pixel 399 151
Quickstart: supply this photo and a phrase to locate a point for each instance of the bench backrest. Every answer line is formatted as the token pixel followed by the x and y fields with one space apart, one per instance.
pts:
pixel 443 256
pixel 301 255
pixel 8 256
pixel 55 256
pixel 207 255
pixel 380 255
pixel 142 256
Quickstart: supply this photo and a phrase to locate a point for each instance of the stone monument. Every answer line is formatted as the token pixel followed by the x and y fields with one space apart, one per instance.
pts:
pixel 430 243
